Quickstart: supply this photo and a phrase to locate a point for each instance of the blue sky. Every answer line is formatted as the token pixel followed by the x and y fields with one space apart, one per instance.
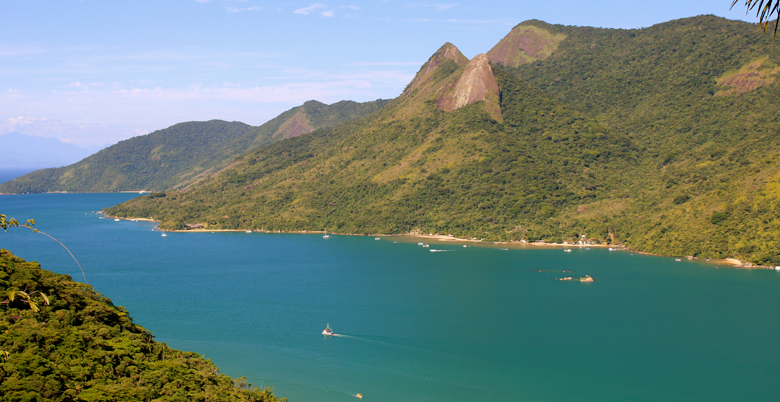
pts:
pixel 95 72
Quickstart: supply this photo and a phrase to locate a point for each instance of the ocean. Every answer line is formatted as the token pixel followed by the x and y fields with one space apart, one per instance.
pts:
pixel 469 324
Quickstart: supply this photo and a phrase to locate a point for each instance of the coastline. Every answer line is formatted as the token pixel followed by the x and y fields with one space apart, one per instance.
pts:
pixel 731 262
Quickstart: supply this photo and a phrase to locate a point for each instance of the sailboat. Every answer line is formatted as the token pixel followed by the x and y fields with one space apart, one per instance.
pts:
pixel 326 236
pixel 327 330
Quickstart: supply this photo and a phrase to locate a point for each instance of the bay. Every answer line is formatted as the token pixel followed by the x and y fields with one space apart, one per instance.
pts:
pixel 470 324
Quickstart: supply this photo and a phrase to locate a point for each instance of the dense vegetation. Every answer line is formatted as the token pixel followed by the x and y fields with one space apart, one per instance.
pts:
pixel 179 155
pixel 459 173
pixel 62 341
pixel 663 139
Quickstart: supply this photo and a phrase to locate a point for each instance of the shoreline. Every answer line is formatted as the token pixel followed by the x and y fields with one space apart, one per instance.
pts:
pixel 732 262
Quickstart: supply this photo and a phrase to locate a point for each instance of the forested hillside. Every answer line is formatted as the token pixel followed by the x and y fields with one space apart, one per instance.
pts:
pixel 182 154
pixel 663 139
pixel 413 167
pixel 62 341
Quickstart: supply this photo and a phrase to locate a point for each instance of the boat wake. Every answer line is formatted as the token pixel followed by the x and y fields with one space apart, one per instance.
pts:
pixel 342 336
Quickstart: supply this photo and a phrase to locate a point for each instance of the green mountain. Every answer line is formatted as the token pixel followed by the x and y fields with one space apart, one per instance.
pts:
pixel 62 341
pixel 184 153
pixel 663 139
pixel 433 160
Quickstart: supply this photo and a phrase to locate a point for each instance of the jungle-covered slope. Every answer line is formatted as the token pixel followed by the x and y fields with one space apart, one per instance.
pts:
pixel 62 341
pixel 664 139
pixel 182 154
pixel 412 166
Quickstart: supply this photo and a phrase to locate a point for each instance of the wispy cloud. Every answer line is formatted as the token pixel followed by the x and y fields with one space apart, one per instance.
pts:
pixel 325 11
pixel 310 9
pixel 11 51
pixel 233 10
pixel 91 114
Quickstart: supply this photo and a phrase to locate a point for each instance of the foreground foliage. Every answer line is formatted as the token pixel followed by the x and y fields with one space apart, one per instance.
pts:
pixel 62 341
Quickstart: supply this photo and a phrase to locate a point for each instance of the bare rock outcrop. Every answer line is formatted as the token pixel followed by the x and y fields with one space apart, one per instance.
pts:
pixel 447 54
pixel 297 125
pixel 477 83
pixel 524 44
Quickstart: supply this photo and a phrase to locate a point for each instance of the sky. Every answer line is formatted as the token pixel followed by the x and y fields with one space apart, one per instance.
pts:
pixel 95 72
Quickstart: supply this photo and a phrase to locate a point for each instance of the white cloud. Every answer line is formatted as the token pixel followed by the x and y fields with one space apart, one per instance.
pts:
pixel 12 51
pixel 89 115
pixel 233 10
pixel 310 9
pixel 328 13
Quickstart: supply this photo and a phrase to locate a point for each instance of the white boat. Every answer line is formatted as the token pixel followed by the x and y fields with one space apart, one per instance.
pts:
pixel 376 238
pixel 420 243
pixel 164 235
pixel 677 259
pixel 426 245
pixel 249 231
pixel 116 220
pixel 327 330
pixel 326 236
pixel 568 250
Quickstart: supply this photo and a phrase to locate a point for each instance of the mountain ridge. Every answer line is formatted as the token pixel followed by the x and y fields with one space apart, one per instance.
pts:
pixel 182 154
pixel 617 135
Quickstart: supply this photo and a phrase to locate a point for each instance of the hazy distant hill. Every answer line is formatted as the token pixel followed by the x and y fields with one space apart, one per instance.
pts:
pixel 28 152
pixel 664 139
pixel 181 154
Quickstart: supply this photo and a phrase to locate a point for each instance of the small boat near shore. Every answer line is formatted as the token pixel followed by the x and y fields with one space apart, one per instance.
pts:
pixel 164 235
pixel 327 330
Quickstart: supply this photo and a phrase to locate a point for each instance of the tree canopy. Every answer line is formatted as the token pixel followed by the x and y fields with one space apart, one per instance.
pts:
pixel 764 10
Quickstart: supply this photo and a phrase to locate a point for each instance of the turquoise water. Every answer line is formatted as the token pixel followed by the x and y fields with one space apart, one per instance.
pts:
pixel 471 324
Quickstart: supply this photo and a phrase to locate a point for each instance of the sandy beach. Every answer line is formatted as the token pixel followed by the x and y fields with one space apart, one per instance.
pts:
pixel 444 239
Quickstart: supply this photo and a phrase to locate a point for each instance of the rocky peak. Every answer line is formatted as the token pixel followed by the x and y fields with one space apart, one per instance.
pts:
pixel 295 126
pixel 447 55
pixel 477 83
pixel 524 44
